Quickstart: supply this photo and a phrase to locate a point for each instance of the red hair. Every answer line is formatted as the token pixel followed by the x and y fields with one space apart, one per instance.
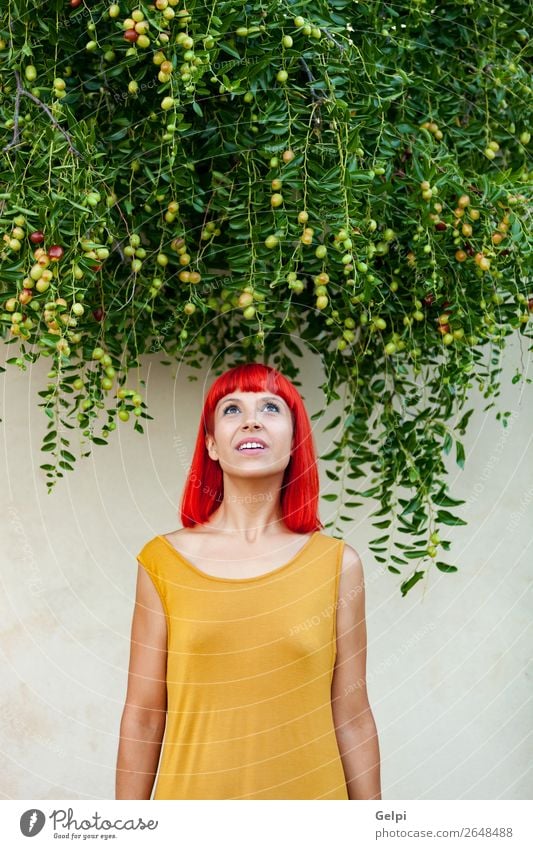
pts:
pixel 204 487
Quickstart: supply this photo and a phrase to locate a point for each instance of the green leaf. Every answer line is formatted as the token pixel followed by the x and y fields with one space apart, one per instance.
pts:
pixel 447 444
pixel 120 134
pixel 330 496
pixel 230 50
pixel 461 426
pixel 368 493
pixel 448 518
pixel 413 475
pixel 459 454
pixel 445 500
pixel 412 505
pixel 413 580
pixel 331 455
pixel 444 567
pixel 379 540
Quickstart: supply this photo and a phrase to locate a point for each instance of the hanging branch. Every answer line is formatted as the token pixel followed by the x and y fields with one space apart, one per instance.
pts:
pixel 311 79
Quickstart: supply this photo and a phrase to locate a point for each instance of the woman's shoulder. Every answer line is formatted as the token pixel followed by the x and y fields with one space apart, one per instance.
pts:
pixel 349 551
pixel 351 561
pixel 171 535
pixel 184 538
pixel 150 549
pixel 351 567
pixel 166 535
pixel 352 575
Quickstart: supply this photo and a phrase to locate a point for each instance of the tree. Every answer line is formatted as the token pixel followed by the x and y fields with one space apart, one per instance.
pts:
pixel 241 175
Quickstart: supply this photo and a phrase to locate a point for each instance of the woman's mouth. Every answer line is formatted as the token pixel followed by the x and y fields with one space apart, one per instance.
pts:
pixel 251 447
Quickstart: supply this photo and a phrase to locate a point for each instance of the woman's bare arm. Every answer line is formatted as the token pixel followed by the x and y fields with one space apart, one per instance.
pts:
pixel 143 719
pixel 354 722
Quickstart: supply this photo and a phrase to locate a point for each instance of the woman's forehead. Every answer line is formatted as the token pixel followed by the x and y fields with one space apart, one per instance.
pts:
pixel 237 396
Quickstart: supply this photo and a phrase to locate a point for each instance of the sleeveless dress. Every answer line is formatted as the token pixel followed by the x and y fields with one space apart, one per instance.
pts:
pixel 249 671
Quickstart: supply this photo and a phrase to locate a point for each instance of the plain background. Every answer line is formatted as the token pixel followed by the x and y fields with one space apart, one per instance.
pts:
pixel 447 669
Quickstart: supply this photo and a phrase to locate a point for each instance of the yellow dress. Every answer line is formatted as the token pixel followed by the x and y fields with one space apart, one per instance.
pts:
pixel 249 670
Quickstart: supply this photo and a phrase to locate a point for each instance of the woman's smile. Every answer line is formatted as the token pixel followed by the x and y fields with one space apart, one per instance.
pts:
pixel 253 451
pixel 251 445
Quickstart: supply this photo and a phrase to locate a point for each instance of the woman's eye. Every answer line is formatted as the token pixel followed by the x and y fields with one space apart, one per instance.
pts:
pixel 234 406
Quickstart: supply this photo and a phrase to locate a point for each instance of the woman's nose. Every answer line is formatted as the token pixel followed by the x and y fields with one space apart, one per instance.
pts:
pixel 251 421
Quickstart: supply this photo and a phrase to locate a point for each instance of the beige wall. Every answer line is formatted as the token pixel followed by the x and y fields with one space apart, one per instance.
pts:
pixel 447 672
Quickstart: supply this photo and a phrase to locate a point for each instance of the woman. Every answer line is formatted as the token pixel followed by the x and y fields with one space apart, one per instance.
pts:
pixel 248 636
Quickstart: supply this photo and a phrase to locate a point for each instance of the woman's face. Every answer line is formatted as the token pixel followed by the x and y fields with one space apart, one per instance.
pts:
pixel 248 417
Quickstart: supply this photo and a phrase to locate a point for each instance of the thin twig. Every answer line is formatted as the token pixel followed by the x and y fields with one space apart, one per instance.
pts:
pixel 16 132
pixel 116 247
pixel 328 35
pixel 16 127
pixel 310 78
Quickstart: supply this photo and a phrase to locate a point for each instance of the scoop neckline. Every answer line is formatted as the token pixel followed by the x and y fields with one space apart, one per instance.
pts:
pixel 252 578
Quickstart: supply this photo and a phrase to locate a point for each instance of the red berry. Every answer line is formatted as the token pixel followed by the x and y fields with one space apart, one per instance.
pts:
pixel 55 252
pixel 440 225
pixel 131 35
pixel 530 305
pixel 96 267
pixel 99 314
pixel 428 300
pixel 36 237
pixel 75 3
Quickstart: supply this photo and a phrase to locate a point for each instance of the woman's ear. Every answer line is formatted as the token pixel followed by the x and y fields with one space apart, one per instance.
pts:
pixel 210 445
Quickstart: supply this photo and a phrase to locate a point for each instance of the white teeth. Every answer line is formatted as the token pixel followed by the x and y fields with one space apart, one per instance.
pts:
pixel 250 445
